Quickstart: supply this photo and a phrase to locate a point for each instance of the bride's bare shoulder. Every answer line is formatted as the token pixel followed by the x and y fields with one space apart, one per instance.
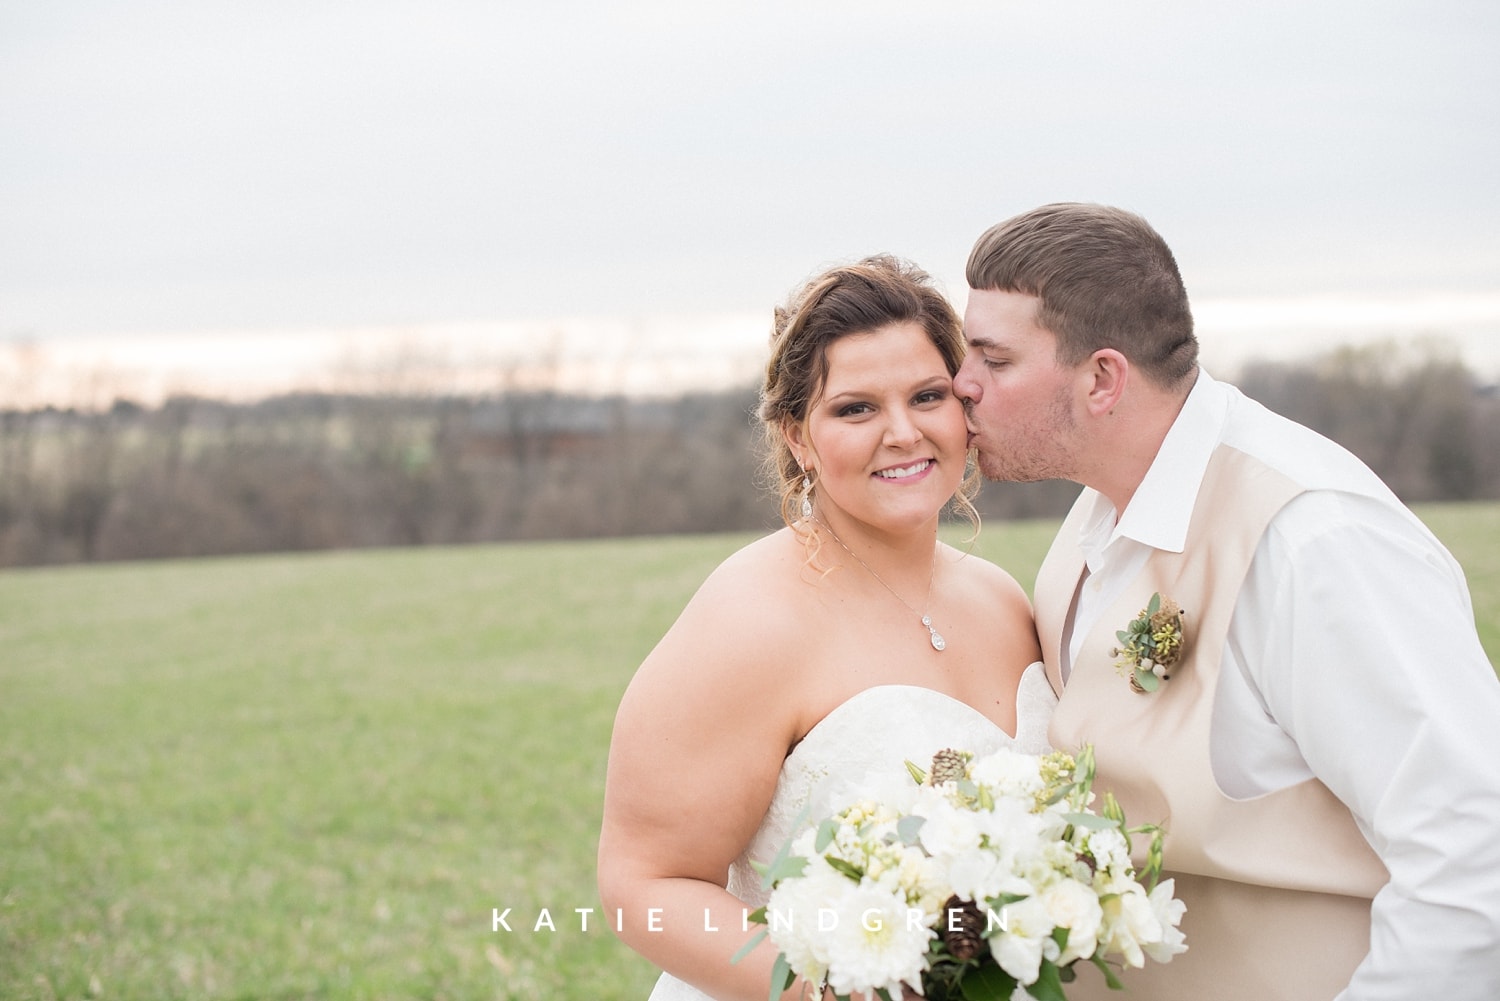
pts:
pixel 757 586
pixel 735 647
pixel 995 602
pixel 990 581
pixel 748 606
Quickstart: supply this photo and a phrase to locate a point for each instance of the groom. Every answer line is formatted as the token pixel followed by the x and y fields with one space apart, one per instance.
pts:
pixel 1325 752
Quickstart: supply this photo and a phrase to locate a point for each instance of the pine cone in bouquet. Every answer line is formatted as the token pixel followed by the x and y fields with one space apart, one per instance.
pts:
pixel 963 926
pixel 948 765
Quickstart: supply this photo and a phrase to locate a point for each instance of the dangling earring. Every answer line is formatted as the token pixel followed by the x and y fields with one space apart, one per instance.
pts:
pixel 807 487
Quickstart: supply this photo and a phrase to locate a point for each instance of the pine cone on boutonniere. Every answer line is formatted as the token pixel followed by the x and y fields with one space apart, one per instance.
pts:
pixel 1150 645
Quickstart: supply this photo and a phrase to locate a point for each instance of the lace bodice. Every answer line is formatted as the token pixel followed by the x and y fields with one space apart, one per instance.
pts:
pixel 876 730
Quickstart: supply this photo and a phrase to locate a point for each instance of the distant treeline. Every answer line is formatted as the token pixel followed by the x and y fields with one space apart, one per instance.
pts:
pixel 198 477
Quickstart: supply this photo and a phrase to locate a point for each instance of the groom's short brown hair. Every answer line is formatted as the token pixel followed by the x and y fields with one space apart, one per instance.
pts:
pixel 1105 279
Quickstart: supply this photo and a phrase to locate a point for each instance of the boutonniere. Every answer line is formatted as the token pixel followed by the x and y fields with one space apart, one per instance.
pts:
pixel 1150 645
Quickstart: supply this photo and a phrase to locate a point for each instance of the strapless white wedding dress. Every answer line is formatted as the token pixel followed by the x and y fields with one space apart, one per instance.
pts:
pixel 876 730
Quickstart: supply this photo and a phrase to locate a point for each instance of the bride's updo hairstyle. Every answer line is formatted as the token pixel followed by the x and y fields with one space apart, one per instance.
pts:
pixel 851 299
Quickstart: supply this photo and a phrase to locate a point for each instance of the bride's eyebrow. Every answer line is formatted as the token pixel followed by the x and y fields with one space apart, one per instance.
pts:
pixel 847 396
pixel 944 381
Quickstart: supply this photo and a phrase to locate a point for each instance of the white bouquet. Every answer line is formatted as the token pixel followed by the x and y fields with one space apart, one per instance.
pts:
pixel 984 879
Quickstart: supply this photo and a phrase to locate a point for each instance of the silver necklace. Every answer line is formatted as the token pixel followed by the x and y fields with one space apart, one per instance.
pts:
pixel 936 638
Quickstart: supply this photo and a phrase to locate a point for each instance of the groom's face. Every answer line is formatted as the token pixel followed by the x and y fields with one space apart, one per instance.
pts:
pixel 1019 400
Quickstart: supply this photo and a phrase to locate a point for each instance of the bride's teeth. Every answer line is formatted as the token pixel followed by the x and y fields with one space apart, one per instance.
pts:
pixel 903 471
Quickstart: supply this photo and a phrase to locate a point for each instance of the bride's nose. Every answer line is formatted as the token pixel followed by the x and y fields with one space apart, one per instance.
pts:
pixel 901 430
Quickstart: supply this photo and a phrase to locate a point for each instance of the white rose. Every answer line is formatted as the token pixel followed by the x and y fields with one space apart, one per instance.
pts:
pixel 1073 906
pixel 977 875
pixel 1129 920
pixel 949 831
pixel 1021 943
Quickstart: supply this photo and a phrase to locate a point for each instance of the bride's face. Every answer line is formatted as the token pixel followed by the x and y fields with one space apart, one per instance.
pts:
pixel 887 435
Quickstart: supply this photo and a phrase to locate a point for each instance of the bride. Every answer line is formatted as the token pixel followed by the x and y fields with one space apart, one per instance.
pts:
pixel 847 642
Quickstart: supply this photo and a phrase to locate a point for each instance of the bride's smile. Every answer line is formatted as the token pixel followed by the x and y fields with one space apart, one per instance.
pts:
pixel 905 472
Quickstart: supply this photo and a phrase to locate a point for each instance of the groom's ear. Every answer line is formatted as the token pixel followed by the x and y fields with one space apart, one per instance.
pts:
pixel 1107 373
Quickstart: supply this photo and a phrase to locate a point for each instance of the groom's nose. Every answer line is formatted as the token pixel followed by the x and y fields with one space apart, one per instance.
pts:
pixel 965 386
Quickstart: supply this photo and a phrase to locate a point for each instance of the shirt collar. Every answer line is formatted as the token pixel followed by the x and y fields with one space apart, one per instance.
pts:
pixel 1162 506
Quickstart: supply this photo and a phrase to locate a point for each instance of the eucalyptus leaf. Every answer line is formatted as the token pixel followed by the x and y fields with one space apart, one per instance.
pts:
pixel 1062 793
pixel 777 869
pixel 1002 899
pixel 1146 679
pixel 909 828
pixel 782 977
pixel 785 867
pixel 1090 821
pixel 827 830
pixel 1155 604
pixel 744 950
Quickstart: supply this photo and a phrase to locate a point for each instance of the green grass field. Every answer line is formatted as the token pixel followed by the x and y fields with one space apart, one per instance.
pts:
pixel 316 776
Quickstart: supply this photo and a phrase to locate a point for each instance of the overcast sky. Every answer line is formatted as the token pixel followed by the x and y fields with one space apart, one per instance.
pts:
pixel 177 166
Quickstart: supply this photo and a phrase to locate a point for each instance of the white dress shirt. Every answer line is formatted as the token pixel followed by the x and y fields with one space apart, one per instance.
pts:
pixel 1352 657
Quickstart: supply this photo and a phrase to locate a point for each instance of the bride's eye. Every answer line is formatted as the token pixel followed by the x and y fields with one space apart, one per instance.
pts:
pixel 931 396
pixel 854 410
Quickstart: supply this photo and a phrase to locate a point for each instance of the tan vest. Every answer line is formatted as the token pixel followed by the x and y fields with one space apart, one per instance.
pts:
pixel 1278 887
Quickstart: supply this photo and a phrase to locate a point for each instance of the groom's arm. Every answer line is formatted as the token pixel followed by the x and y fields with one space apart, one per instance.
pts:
pixel 1359 640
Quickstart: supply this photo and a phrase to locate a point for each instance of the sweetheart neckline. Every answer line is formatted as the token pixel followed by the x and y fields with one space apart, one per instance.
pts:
pixel 1035 665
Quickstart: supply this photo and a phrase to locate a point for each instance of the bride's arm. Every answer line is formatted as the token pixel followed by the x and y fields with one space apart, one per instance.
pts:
pixel 698 744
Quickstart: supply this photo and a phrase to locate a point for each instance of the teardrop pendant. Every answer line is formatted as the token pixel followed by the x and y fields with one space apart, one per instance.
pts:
pixel 938 643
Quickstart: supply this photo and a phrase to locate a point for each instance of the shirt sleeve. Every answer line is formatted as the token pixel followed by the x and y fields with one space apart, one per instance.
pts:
pixel 1355 637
